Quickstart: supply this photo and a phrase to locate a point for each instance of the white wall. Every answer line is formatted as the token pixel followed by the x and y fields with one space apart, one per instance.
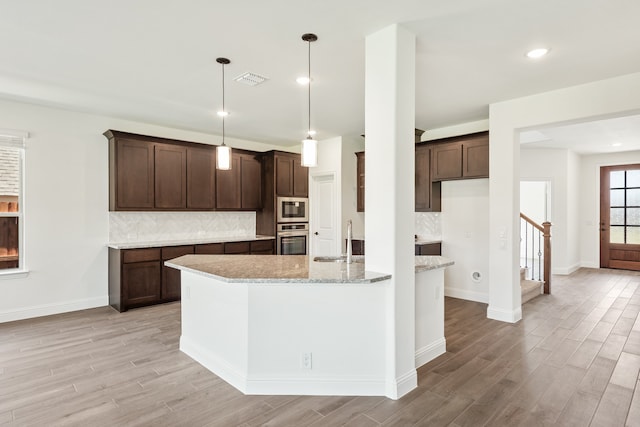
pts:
pixel 533 200
pixel 590 202
pixel 66 207
pixel 559 167
pixel 465 236
pixel 573 214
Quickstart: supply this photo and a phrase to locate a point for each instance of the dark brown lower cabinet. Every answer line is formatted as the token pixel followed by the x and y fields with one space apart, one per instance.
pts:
pixel 262 247
pixel 138 277
pixel 171 276
pixel 140 283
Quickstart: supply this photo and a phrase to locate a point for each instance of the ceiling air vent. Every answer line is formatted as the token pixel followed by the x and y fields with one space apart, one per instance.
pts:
pixel 251 79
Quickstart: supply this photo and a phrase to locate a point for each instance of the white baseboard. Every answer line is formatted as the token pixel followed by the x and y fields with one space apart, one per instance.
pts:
pixel 466 294
pixel 289 385
pixel 510 316
pixel 402 385
pixel 430 352
pixel 216 365
pixel 589 264
pixel 49 309
pixel 565 271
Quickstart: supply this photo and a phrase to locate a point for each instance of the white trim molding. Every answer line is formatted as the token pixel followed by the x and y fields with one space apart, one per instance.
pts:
pixel 429 352
pixel 504 315
pixel 50 309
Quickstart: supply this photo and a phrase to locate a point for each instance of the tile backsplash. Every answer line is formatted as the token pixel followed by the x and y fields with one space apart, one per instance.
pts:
pixel 125 227
pixel 429 225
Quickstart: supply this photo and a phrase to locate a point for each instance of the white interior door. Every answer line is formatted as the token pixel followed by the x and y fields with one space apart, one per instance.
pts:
pixel 324 216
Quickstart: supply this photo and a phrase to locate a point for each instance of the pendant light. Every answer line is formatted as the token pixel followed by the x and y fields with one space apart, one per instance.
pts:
pixel 223 152
pixel 309 145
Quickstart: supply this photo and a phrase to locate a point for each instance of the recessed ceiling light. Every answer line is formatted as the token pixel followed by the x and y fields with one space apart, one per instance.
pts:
pixel 617 144
pixel 303 80
pixel 537 53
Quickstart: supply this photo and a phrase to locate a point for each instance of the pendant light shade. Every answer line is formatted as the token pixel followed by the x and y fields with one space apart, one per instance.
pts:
pixel 309 145
pixel 309 152
pixel 223 152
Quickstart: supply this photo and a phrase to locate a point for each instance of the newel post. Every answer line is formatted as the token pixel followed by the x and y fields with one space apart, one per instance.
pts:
pixel 547 256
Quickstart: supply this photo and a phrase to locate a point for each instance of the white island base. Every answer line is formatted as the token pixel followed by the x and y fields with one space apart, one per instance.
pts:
pixel 302 338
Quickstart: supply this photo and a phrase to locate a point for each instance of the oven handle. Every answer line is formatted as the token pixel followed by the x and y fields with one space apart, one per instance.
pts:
pixel 292 233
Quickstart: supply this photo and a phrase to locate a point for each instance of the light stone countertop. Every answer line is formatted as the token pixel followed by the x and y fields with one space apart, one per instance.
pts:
pixel 288 268
pixel 181 242
pixel 431 262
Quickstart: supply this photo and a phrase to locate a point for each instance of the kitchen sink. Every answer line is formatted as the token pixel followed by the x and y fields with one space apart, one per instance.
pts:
pixel 340 258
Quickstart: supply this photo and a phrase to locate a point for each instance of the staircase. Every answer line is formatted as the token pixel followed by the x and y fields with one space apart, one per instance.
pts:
pixel 529 288
pixel 535 256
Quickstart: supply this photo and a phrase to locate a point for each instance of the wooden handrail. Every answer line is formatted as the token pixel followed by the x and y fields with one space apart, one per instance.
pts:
pixel 546 234
pixel 545 229
pixel 532 222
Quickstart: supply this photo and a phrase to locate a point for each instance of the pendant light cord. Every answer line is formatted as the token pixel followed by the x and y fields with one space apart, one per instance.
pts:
pixel 224 112
pixel 309 88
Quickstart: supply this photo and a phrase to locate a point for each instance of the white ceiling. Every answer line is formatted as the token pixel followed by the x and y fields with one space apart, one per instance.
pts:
pixel 154 60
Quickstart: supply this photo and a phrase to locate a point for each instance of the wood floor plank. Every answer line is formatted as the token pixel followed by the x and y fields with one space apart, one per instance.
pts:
pixel 597 377
pixel 613 407
pixel 633 417
pixel 584 355
pixel 555 397
pixel 579 410
pixel 626 371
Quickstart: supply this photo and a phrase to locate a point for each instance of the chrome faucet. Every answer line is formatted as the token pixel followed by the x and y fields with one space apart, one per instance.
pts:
pixel 349 238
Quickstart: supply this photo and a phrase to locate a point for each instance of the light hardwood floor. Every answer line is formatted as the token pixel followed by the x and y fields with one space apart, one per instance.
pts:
pixel 573 360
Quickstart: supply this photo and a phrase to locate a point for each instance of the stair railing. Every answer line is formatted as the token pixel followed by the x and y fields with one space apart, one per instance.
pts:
pixel 535 250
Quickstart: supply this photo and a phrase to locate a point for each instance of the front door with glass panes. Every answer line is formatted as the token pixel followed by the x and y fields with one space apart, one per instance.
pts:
pixel 620 217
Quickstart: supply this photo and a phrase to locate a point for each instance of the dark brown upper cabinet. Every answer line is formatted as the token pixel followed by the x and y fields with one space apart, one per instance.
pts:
pixel 170 167
pixel 427 192
pixel 149 173
pixel 360 181
pixel 475 157
pixel 292 179
pixel 251 182
pixel 241 187
pixel 201 178
pixel 131 174
pixel 460 157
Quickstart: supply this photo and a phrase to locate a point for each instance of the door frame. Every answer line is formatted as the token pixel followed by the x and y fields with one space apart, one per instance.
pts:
pixel 604 220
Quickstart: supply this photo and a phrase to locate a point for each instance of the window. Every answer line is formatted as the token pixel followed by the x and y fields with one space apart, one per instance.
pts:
pixel 624 215
pixel 11 197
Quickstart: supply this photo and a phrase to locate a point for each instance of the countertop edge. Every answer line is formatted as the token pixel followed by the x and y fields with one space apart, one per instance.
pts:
pixel 283 281
pixel 184 242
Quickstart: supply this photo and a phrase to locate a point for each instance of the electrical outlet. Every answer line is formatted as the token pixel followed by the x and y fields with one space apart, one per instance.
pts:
pixel 306 360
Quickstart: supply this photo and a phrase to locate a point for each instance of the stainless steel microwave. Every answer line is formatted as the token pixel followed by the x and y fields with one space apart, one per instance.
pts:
pixel 292 209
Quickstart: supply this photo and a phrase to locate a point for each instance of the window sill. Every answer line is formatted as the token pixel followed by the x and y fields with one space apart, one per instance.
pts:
pixel 13 273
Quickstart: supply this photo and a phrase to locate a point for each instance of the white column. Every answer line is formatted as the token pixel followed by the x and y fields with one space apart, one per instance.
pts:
pixel 389 191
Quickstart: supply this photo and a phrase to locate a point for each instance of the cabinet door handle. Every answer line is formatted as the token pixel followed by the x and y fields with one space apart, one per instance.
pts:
pixel 316 233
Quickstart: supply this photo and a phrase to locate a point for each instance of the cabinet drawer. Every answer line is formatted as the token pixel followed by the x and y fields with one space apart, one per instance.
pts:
pixel 262 246
pixel 141 255
pixel 237 248
pixel 171 252
pixel 210 249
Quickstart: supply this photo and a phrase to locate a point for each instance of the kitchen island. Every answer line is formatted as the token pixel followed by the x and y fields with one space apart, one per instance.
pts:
pixel 290 325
